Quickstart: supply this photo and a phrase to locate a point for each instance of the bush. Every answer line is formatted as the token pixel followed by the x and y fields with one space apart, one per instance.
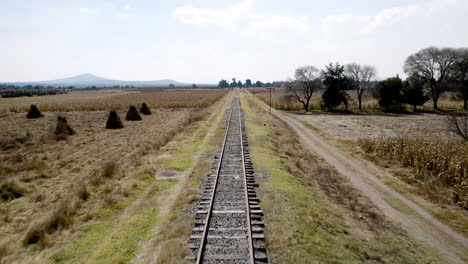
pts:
pixel 390 94
pixel 459 125
pixel 109 168
pixel 60 218
pixel 413 92
pixel 11 189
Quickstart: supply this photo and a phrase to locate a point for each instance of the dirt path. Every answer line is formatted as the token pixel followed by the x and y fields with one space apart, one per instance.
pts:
pixel 419 223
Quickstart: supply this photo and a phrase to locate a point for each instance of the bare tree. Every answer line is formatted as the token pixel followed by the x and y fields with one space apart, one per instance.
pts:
pixel 361 77
pixel 434 65
pixel 302 88
pixel 459 125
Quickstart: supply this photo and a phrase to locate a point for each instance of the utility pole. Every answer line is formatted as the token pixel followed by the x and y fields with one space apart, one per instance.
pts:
pixel 270 97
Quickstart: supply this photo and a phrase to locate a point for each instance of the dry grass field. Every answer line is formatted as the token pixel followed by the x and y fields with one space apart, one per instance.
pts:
pixel 50 187
pixel 113 99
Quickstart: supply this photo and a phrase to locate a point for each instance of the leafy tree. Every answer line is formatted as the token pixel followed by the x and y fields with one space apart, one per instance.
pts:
pixel 277 84
pixel 248 83
pixel 233 83
pixel 413 91
pixel 460 76
pixel 223 84
pixel 171 85
pixel 239 84
pixel 336 84
pixel 259 84
pixel 390 93
pixel 361 78
pixel 434 65
pixel 194 86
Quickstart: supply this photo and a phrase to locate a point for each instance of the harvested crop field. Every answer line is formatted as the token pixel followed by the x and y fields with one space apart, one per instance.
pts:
pixel 51 186
pixel 114 99
pixel 378 125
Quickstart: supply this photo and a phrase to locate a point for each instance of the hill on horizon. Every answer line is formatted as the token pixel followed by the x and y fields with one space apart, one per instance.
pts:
pixel 89 80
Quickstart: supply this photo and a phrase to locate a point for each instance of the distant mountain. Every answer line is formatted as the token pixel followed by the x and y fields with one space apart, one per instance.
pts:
pixel 89 80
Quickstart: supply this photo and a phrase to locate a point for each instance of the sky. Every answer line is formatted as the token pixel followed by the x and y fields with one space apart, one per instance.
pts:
pixel 202 41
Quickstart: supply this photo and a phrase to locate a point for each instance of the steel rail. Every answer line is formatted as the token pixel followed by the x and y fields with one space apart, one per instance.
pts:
pixel 210 209
pixel 246 194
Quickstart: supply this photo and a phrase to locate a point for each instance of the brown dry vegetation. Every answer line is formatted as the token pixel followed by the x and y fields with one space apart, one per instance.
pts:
pixel 440 166
pixel 50 187
pixel 281 101
pixel 312 213
pixel 113 99
pixel 419 149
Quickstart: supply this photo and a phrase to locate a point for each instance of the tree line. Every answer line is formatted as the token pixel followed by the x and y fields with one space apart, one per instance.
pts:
pixel 248 83
pixel 431 72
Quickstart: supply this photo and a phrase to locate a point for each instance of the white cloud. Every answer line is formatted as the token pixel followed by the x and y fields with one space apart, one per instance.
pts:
pixel 241 16
pixel 127 7
pixel 386 17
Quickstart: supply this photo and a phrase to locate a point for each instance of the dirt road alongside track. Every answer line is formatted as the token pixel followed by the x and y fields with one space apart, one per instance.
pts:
pixel 419 223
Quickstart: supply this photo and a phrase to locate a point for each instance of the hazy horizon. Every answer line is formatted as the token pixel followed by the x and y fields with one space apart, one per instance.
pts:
pixel 202 41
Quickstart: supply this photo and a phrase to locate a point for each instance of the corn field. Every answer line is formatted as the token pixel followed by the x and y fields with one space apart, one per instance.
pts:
pixel 440 165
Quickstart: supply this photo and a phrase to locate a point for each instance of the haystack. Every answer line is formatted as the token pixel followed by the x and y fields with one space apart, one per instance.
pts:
pixel 113 121
pixel 34 112
pixel 132 114
pixel 144 109
pixel 63 129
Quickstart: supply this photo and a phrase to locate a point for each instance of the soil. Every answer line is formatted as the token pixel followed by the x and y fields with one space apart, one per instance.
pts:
pixel 168 174
pixel 378 125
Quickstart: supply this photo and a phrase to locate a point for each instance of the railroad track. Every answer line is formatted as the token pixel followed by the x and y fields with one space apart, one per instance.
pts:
pixel 229 222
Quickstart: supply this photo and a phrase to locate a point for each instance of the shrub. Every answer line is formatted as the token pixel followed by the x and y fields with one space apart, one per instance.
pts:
pixel 82 190
pixel 144 109
pixel 11 189
pixel 390 94
pixel 113 121
pixel 413 92
pixel 13 141
pixel 60 218
pixel 34 112
pixel 459 125
pixel 109 168
pixel 132 114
